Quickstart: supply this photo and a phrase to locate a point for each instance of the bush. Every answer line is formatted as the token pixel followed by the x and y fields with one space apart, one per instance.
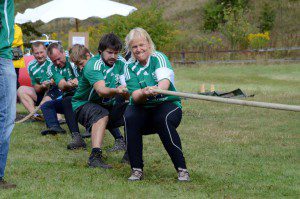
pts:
pixel 267 18
pixel 161 31
pixel 214 11
pixel 213 15
pixel 259 40
pixel 236 28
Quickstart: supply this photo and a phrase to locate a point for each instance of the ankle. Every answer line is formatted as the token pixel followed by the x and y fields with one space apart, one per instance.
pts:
pixel 96 150
pixel 137 169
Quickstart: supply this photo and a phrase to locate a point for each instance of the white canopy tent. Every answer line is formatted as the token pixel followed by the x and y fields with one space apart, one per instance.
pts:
pixel 78 9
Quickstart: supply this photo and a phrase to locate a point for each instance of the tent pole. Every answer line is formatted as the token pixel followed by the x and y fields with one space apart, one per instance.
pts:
pixel 77 25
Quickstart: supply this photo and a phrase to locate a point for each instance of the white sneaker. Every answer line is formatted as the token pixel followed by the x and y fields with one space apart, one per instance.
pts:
pixel 136 174
pixel 183 175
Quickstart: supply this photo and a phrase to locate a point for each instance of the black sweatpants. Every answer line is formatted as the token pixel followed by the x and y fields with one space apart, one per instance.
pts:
pixel 163 120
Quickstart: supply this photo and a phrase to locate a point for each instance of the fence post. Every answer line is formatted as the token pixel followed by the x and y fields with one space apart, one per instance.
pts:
pixel 182 56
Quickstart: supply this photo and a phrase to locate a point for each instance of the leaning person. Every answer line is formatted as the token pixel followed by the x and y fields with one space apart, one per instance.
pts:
pixel 7 86
pixel 66 76
pixel 18 49
pixel 94 102
pixel 80 55
pixel 41 81
pixel 149 112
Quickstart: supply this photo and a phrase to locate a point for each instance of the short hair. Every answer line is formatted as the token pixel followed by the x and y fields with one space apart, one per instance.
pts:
pixel 135 33
pixel 37 44
pixel 110 40
pixel 78 52
pixel 54 46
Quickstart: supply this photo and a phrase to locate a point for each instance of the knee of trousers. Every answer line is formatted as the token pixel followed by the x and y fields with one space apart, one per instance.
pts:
pixel 47 105
pixel 130 118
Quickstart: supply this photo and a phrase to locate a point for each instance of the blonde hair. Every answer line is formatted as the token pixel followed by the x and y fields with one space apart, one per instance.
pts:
pixel 78 52
pixel 135 33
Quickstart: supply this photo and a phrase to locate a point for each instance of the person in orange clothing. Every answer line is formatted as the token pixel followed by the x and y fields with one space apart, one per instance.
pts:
pixel 17 50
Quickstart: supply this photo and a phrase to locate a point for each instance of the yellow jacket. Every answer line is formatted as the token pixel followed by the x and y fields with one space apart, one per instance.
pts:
pixel 18 41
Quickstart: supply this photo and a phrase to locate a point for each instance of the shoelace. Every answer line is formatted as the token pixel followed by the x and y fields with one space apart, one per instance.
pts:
pixel 183 173
pixel 137 173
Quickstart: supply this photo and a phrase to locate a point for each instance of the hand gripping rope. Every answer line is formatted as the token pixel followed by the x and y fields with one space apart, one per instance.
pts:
pixel 34 111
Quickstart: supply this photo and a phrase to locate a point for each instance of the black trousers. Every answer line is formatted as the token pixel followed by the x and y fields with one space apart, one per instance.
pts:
pixel 163 120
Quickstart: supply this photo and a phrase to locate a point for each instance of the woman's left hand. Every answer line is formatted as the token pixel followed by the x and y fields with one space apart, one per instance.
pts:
pixel 148 91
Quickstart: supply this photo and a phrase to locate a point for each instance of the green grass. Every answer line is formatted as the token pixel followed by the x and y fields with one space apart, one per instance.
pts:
pixel 231 151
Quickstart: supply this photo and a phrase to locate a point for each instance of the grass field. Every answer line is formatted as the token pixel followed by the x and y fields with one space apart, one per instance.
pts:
pixel 231 151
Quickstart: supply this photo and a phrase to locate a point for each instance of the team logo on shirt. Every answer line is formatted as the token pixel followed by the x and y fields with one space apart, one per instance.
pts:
pixel 69 72
pixel 118 80
pixel 154 76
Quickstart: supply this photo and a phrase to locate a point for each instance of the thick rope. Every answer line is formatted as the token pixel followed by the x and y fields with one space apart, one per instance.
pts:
pixel 231 101
pixel 33 112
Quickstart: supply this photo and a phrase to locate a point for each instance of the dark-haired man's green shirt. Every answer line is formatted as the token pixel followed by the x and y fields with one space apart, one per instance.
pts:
pixel 96 70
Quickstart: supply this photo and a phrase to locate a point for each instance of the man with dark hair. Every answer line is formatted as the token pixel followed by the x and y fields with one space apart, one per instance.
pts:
pixel 95 101
pixel 65 75
pixel 80 55
pixel 40 79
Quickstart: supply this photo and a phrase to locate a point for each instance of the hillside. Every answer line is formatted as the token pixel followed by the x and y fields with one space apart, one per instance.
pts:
pixel 188 18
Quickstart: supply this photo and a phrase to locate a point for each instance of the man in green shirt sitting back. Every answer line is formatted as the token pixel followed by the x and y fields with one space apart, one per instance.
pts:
pixel 95 101
pixel 40 80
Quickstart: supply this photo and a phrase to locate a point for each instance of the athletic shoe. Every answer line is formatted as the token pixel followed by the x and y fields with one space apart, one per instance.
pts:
pixel 38 117
pixel 53 130
pixel 119 146
pixel 183 175
pixel 6 185
pixel 96 160
pixel 125 159
pixel 77 142
pixel 136 174
pixel 87 134
pixel 62 121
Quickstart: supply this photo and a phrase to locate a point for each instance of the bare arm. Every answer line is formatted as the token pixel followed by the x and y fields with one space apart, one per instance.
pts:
pixel 104 91
pixel 140 96
pixel 66 85
pixel 42 87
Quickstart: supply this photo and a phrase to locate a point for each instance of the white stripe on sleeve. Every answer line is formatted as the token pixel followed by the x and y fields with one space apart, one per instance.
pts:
pixel 122 80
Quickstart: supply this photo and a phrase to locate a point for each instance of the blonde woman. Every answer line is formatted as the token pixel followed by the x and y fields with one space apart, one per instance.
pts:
pixel 149 112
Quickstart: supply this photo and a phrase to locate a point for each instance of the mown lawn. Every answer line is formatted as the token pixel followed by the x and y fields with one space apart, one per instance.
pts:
pixel 231 151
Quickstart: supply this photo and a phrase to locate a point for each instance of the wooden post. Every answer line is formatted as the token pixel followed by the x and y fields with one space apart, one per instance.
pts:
pixel 202 88
pixel 212 88
pixel 77 25
pixel 182 56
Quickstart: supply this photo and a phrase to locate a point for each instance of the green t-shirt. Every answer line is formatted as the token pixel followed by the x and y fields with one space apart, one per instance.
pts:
pixel 7 30
pixel 67 73
pixel 96 70
pixel 157 68
pixel 38 72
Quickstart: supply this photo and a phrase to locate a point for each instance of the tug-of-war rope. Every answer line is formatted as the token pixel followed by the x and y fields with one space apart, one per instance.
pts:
pixel 33 112
pixel 206 98
pixel 230 101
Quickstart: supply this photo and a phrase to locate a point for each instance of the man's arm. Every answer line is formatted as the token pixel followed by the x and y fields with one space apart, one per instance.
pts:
pixel 67 85
pixel 104 91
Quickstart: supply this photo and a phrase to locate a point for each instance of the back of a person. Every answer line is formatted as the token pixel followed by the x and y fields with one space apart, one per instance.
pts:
pixel 17 48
